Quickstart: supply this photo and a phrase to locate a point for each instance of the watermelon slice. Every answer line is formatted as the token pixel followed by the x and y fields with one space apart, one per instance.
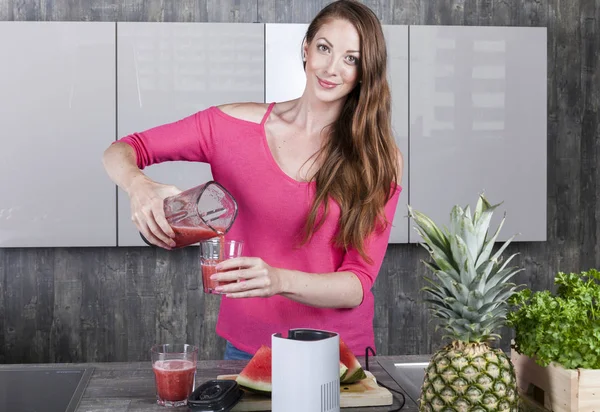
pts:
pixel 256 376
pixel 355 371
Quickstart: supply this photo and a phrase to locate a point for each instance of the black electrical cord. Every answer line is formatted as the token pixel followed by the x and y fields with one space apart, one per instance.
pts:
pixel 403 402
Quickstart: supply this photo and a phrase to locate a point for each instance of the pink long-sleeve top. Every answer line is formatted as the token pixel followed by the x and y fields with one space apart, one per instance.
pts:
pixel 272 208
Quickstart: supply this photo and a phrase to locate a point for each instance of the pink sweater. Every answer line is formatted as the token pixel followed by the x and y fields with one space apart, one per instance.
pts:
pixel 272 211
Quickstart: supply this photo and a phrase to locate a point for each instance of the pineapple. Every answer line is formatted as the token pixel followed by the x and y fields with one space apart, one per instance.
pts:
pixel 469 299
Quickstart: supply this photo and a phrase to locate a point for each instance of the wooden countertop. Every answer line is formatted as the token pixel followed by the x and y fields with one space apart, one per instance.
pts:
pixel 129 386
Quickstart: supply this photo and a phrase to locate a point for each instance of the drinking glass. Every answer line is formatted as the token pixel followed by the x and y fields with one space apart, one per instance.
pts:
pixel 174 367
pixel 212 252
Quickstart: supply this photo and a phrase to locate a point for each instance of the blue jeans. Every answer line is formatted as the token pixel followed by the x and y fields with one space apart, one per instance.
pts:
pixel 233 353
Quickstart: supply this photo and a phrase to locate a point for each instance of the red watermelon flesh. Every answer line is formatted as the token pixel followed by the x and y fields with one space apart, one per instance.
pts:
pixel 355 371
pixel 256 376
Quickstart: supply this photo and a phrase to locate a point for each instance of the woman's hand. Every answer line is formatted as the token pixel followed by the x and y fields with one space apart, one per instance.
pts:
pixel 147 211
pixel 253 277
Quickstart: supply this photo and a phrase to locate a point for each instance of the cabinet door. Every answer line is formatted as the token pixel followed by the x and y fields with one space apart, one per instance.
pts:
pixel 57 111
pixel 396 38
pixel 285 80
pixel 167 71
pixel 285 77
pixel 478 124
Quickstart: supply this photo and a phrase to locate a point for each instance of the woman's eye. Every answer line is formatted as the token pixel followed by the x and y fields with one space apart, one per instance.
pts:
pixel 322 47
pixel 352 59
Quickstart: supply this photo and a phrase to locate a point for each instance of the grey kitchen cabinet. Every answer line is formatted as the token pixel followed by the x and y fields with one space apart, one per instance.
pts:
pixel 478 124
pixel 285 80
pixel 469 103
pixel 57 110
pixel 397 45
pixel 167 71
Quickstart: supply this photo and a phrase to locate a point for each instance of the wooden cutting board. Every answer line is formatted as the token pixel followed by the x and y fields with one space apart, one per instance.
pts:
pixel 362 393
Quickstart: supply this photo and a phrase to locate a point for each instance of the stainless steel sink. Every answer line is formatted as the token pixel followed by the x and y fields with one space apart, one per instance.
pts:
pixel 409 375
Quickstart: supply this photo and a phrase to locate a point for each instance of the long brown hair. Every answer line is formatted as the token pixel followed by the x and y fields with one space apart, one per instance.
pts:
pixel 359 159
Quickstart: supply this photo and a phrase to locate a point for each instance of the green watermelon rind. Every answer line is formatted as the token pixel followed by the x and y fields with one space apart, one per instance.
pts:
pixel 259 388
pixel 355 371
pixel 358 375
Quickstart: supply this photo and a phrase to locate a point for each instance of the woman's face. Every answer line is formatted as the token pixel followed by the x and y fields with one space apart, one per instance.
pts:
pixel 332 61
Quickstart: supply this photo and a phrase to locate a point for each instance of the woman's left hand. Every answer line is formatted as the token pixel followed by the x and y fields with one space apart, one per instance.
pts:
pixel 252 277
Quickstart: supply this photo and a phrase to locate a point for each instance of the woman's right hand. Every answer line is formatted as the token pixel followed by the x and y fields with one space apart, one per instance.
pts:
pixel 147 213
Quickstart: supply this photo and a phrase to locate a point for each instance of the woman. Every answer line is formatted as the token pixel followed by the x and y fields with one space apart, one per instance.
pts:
pixel 317 181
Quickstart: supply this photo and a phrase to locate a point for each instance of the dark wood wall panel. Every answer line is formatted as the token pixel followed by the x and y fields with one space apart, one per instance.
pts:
pixel 109 304
pixel 233 11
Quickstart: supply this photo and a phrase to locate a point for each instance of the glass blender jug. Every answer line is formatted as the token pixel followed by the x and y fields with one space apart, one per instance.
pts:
pixel 200 213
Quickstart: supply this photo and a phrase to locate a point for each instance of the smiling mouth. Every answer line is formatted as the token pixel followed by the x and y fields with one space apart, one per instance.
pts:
pixel 327 85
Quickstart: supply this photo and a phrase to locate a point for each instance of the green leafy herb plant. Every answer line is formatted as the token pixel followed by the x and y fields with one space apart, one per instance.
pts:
pixel 562 327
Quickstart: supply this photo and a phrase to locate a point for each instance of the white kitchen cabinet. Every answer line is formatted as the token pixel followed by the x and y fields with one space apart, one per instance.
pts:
pixel 284 73
pixel 478 124
pixel 167 71
pixel 471 101
pixel 57 111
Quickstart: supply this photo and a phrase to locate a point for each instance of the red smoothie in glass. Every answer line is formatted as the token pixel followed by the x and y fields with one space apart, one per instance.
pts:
pixel 174 379
pixel 209 269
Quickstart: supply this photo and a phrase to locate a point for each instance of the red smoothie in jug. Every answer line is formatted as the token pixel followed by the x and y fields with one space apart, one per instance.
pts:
pixel 185 235
pixel 174 379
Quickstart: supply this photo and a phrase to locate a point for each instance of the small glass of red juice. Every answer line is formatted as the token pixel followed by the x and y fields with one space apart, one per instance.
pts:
pixel 174 367
pixel 212 252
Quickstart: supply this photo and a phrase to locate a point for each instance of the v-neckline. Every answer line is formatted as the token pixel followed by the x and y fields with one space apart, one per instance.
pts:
pixel 269 152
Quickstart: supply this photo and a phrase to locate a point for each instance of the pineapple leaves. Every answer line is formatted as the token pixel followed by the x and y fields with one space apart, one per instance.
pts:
pixel 508 260
pixel 470 287
pixel 467 213
pixel 478 284
pixel 443 312
pixel 436 294
pixel 475 299
pixel 465 261
pixel 461 227
pixel 502 276
pixel 450 285
pixel 482 206
pixel 442 264
pixel 487 248
pixel 429 228
pixel 499 251
pixel 497 293
pixel 482 223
